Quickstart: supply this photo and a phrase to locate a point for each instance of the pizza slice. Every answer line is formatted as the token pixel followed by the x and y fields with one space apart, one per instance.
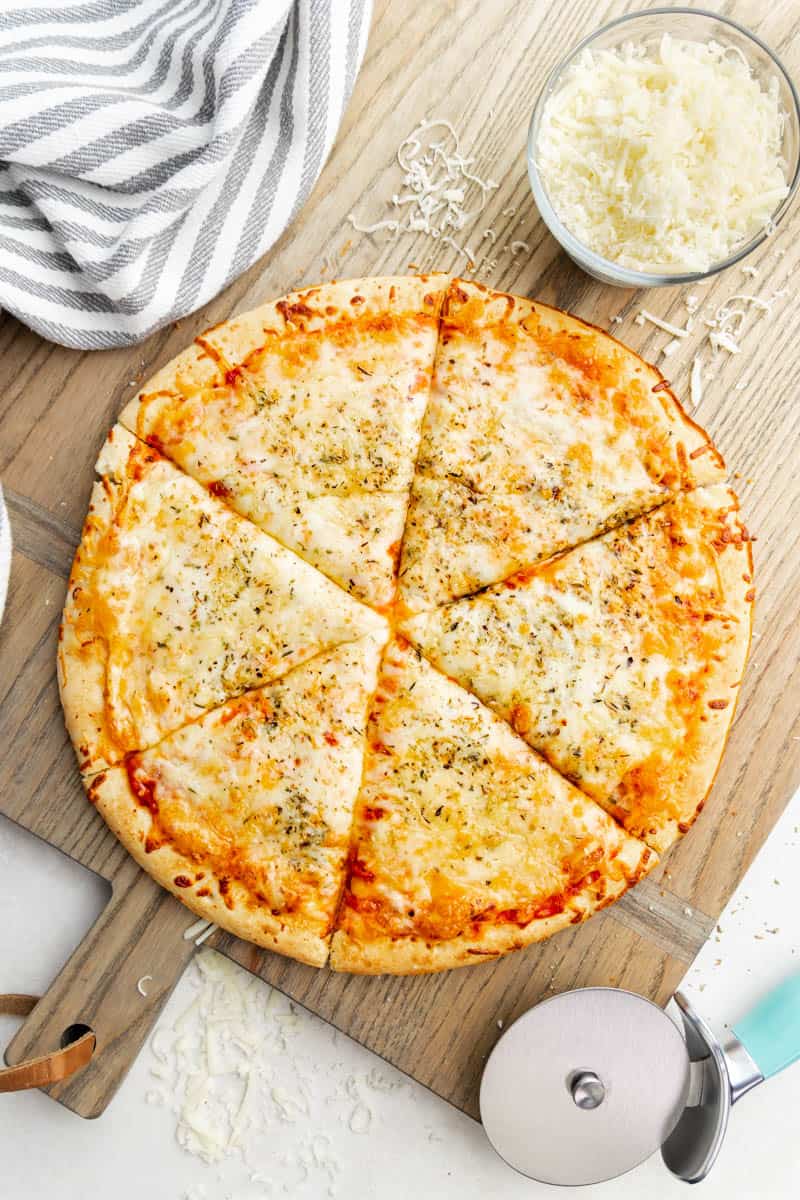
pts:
pixel 620 661
pixel 245 814
pixel 466 843
pixel 175 604
pixel 541 432
pixel 305 416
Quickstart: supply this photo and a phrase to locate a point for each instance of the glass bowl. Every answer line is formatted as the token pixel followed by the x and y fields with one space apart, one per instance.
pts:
pixel 692 24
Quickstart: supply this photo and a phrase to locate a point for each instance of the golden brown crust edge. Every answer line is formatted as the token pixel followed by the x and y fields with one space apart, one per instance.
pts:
pixel 110 792
pixel 703 462
pixel 734 563
pixel 81 701
pixel 82 657
pixel 81 661
pixel 415 955
pixel 220 349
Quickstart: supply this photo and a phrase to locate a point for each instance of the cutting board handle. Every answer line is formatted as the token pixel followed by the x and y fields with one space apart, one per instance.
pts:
pixel 139 933
pixel 47 1068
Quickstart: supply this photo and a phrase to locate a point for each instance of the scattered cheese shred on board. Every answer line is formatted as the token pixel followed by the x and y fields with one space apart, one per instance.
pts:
pixel 198 927
pixel 662 324
pixel 441 194
pixel 729 320
pixel 206 934
pixel 696 381
pixel 663 154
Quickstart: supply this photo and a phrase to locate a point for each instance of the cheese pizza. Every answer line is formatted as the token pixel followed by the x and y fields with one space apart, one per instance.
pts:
pixel 619 660
pixel 175 604
pixel 246 813
pixel 310 423
pixel 407 624
pixel 541 431
pixel 466 844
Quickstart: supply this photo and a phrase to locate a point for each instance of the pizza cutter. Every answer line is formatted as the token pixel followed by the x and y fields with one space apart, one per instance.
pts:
pixel 589 1083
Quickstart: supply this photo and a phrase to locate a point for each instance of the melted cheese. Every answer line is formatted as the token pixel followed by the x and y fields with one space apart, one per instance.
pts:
pixel 193 604
pixel 257 796
pixel 311 427
pixel 603 660
pixel 663 155
pixel 540 433
pixel 459 823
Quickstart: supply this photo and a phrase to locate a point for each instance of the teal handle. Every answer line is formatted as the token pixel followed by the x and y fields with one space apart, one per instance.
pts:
pixel 770 1033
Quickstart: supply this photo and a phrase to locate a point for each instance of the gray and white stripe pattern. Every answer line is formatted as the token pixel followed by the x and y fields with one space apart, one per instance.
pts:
pixel 151 150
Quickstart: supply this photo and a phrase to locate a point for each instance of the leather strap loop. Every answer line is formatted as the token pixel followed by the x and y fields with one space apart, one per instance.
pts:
pixel 48 1068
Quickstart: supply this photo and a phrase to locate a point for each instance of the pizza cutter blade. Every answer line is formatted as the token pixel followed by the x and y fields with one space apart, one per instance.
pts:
pixel 588 1084
pixel 585 1086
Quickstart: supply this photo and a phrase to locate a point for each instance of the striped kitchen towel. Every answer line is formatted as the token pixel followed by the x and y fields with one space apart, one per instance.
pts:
pixel 151 150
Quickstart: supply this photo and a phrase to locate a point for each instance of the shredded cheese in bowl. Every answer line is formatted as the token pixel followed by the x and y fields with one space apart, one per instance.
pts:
pixel 663 155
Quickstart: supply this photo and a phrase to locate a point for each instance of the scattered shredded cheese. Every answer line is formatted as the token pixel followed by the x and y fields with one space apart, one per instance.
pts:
pixel 206 934
pixel 728 321
pixel 140 985
pixel 516 247
pixel 696 381
pixel 193 930
pixel 392 226
pixel 663 154
pixel 441 194
pixel 672 345
pixel 465 250
pixel 241 1084
pixel 665 325
pixel 720 339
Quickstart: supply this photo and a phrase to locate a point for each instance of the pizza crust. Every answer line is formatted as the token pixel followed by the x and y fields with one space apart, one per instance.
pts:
pixel 306 418
pixel 413 955
pixel 225 346
pixel 175 603
pixel 541 432
pixel 735 568
pixel 330 527
pixel 321 309
pixel 110 793
pixel 81 661
pixel 595 668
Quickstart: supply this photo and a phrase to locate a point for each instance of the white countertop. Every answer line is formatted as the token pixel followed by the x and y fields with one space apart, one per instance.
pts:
pixel 362 1129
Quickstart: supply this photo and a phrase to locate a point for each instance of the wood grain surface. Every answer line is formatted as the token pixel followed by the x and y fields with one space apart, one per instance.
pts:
pixel 479 63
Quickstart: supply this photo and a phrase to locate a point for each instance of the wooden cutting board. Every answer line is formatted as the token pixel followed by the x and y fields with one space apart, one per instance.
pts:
pixel 481 65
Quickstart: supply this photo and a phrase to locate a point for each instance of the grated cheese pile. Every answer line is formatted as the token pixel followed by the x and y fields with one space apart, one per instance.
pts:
pixel 236 1075
pixel 663 155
